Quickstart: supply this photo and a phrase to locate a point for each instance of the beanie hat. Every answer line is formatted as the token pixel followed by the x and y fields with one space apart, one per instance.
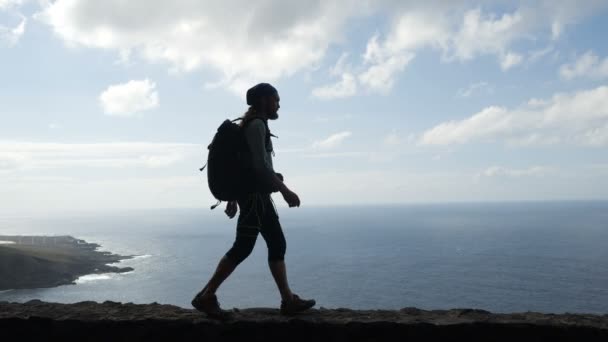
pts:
pixel 258 91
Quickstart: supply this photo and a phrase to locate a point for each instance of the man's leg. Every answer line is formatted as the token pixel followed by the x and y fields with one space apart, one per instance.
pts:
pixel 275 240
pixel 242 247
pixel 279 273
pixel 223 270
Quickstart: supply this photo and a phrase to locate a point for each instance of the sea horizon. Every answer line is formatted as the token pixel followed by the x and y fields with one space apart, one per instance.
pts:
pixel 500 257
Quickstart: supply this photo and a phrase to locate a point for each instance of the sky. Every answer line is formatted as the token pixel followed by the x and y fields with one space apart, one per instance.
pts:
pixel 110 105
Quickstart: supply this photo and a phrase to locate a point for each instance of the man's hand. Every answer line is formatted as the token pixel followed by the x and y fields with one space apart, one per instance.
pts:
pixel 231 209
pixel 291 198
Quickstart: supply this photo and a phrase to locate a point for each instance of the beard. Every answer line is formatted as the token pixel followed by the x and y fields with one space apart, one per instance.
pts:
pixel 273 116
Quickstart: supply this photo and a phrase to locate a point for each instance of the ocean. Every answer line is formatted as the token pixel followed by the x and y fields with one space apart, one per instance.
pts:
pixel 500 257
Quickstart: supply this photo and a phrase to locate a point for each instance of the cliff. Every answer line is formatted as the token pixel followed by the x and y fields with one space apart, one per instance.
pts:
pixel 47 261
pixel 110 321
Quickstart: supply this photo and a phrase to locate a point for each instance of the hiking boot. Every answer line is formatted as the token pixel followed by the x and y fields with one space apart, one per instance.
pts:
pixel 295 305
pixel 209 305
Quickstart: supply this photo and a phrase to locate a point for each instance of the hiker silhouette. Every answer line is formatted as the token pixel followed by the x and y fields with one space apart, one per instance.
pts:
pixel 258 213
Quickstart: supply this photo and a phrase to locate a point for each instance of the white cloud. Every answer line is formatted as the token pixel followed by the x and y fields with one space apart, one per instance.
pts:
pixel 536 55
pixel 381 76
pixel 244 41
pixel 129 98
pixel 53 195
pixel 534 139
pixel 576 118
pixel 384 60
pixel 595 136
pixel 477 87
pixel 486 34
pixel 587 65
pixel 53 177
pixel 11 35
pixel 346 87
pixel 333 117
pixel 565 12
pixel 332 141
pixel 6 4
pixel 29 155
pixel 392 139
pixel 460 33
pixel 499 171
pixel 510 60
pixel 10 160
pixel 335 155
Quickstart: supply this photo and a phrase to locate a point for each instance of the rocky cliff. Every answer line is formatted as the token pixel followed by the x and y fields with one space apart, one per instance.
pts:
pixel 110 321
pixel 28 262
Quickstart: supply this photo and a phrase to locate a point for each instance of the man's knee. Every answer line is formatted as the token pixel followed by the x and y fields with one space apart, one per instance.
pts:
pixel 277 250
pixel 240 252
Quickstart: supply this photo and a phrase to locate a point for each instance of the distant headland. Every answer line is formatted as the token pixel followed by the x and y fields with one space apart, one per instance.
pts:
pixel 28 262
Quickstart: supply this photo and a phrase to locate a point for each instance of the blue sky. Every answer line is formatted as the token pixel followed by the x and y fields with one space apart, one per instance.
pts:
pixel 110 105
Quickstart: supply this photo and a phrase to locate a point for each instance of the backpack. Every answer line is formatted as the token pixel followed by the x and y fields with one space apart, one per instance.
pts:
pixel 229 171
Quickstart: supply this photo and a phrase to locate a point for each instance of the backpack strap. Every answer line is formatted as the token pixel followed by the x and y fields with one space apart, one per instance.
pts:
pixel 268 133
pixel 216 204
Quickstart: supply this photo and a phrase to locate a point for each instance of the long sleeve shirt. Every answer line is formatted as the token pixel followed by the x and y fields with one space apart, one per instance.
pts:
pixel 261 150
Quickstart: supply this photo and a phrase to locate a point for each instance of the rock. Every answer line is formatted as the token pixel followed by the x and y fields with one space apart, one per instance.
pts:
pixel 113 321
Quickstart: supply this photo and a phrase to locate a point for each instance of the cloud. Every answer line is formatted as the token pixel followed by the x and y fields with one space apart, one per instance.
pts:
pixel 384 60
pixel 536 55
pixel 333 117
pixel 29 155
pixel 510 60
pixel 346 87
pixel 575 118
pixel 499 171
pixel 473 88
pixel 487 34
pixel 381 76
pixel 588 65
pixel 334 155
pixel 11 35
pixel 52 177
pixel 392 139
pixel 129 98
pixel 459 33
pixel 31 195
pixel 243 41
pixel 596 136
pixel 6 4
pixel 331 141
pixel 10 160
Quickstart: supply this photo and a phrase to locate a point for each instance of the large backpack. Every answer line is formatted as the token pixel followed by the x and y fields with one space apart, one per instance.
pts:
pixel 229 167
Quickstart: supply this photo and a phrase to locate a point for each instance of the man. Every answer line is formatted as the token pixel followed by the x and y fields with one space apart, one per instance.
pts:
pixel 258 214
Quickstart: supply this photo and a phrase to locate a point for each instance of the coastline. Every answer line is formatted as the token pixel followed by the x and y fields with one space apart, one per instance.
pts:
pixel 28 262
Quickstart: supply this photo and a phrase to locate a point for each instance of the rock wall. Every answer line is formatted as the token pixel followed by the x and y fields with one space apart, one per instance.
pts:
pixel 110 321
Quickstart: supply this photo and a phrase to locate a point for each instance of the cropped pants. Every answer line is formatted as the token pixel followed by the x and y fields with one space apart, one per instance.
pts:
pixel 257 214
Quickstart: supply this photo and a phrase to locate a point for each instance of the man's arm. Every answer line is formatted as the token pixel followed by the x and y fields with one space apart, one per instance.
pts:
pixel 256 136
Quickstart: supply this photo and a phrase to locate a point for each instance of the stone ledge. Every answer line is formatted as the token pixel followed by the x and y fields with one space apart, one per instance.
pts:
pixel 131 322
